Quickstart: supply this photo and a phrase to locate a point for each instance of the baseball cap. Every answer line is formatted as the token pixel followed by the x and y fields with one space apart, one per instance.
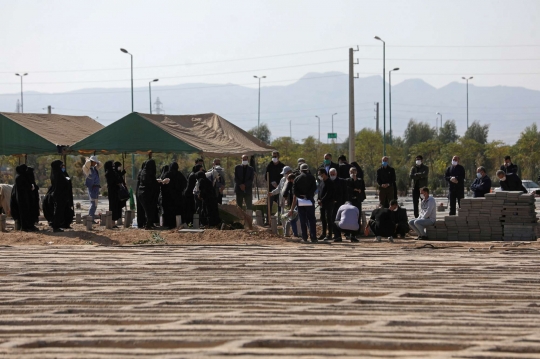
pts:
pixel 285 170
pixel 304 167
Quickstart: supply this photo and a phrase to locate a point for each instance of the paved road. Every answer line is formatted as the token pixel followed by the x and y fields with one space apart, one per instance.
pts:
pixel 365 301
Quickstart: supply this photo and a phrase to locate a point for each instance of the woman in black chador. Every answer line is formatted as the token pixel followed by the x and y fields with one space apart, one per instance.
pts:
pixel 209 205
pixel 113 185
pixel 60 195
pixel 189 199
pixel 172 200
pixel 121 172
pixel 22 209
pixel 141 215
pixel 35 194
pixel 149 192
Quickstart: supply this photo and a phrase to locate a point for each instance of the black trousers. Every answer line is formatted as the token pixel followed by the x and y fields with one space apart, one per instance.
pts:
pixel 337 230
pixel 326 219
pixel 416 201
pixel 141 214
pixel 402 229
pixel 453 199
pixel 386 195
pixel 246 197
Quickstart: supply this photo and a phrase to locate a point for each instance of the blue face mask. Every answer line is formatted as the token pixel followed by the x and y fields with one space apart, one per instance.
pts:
pixel 479 175
pixel 63 169
pixel 385 163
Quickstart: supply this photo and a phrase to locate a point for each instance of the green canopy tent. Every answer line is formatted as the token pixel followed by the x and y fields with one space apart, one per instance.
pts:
pixel 31 133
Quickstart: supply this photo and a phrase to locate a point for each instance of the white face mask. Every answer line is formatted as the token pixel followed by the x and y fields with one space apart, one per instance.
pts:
pixel 275 159
pixel 454 163
pixel 333 177
pixel 353 175
pixel 244 163
pixel 320 178
pixel 120 168
pixel 422 196
pixel 502 179
pixel 418 162
pixel 395 209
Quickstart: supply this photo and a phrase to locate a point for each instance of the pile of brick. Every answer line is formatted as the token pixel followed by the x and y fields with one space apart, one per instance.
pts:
pixel 502 215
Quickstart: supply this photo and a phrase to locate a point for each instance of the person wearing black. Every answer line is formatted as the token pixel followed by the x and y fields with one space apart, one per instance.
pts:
pixel 400 218
pixel 386 179
pixel 455 176
pixel 218 179
pixel 149 192
pixel 343 167
pixel 359 170
pixel 172 199
pixel 189 199
pixel 141 215
pixel 382 223
pixel 35 194
pixel 120 172
pixel 510 182
pixel 304 187
pixel 356 190
pixel 328 164
pixel 59 192
pixel 113 185
pixel 419 177
pixel 326 204
pixel 207 195
pixel 273 172
pixel 69 212
pixel 481 184
pixel 22 200
pixel 243 183
pixel 508 167
pixel 340 196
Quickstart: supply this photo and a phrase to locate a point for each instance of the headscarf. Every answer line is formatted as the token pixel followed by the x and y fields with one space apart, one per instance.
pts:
pixel 109 166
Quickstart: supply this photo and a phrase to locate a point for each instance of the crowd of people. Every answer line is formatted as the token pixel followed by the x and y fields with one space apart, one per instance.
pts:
pixel 338 189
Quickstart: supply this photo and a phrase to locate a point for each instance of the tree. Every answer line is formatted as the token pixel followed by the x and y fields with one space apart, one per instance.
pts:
pixel 527 151
pixel 417 132
pixel 262 132
pixel 477 132
pixel 448 132
pixel 369 149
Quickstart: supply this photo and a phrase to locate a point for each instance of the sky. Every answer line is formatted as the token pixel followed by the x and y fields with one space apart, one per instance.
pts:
pixel 69 45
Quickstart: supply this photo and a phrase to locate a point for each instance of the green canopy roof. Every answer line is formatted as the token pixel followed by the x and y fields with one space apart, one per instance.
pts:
pixel 208 134
pixel 31 133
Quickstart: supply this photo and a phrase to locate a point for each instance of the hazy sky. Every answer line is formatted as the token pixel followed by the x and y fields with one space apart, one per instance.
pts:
pixel 68 45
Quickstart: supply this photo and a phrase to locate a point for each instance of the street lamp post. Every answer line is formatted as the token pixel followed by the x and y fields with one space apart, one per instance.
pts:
pixel 21 76
pixel 384 93
pixel 440 114
pixel 259 110
pixel 333 126
pixel 467 79
pixel 126 52
pixel 390 98
pixel 319 119
pixel 150 92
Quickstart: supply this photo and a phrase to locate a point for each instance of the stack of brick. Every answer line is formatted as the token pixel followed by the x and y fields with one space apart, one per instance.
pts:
pixel 518 217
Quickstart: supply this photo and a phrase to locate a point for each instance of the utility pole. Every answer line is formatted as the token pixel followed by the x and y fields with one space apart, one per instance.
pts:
pixel 22 101
pixel 352 132
pixel 150 92
pixel 377 116
pixel 290 129
pixel 467 79
pixel 259 106
pixel 384 93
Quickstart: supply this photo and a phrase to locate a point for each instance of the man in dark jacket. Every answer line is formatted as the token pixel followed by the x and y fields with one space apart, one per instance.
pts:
pixel 340 196
pixel 455 176
pixel 273 171
pixel 328 164
pixel 326 204
pixel 399 215
pixel 382 223
pixel 419 177
pixel 508 167
pixel 243 183
pixel 356 191
pixel 304 187
pixel 510 182
pixel 386 179
pixel 482 183
pixel 344 167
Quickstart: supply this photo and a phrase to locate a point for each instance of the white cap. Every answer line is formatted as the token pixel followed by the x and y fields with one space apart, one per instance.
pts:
pixel 93 159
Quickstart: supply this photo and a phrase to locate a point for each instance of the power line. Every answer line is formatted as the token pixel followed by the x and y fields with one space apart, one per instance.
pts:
pixel 411 59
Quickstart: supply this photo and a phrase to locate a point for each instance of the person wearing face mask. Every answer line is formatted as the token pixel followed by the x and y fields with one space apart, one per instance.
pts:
pixel 508 167
pixel 328 164
pixel 510 182
pixel 340 196
pixel 356 190
pixel 382 222
pixel 279 192
pixel 92 182
pixel 427 217
pixel 343 167
pixel 455 176
pixel 326 204
pixel 386 179
pixel 401 219
pixel 481 184
pixel 273 173
pixel 304 187
pixel 419 177
pixel 243 183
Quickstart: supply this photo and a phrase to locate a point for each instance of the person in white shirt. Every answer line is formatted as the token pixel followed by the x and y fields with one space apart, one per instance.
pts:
pixel 427 217
pixel 280 189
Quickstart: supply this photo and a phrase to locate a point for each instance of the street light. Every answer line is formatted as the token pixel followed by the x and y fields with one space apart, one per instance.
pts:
pixel 259 111
pixel 290 129
pixel 440 114
pixel 319 128
pixel 126 52
pixel 390 98
pixel 384 93
pixel 467 79
pixel 21 76
pixel 150 92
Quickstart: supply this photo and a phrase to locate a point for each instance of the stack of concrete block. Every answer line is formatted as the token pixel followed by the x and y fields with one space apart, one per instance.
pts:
pixel 518 217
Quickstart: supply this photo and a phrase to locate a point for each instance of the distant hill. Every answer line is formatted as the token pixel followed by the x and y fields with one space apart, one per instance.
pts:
pixel 508 110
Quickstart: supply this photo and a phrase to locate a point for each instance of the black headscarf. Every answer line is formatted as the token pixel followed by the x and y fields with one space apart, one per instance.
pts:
pixel 59 182
pixel 164 171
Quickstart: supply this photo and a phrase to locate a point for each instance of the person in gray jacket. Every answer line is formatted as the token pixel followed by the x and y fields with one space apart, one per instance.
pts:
pixel 419 177
pixel 427 217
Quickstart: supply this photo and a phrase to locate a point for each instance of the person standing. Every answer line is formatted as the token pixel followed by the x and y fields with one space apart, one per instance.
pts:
pixel 35 194
pixel 218 179
pixel 141 216
pixel 419 177
pixel 92 182
pixel 304 187
pixel 120 172
pixel 60 186
pixel 508 167
pixel 189 199
pixel 343 167
pixel 113 186
pixel 386 179
pixel 427 217
pixel 482 183
pixel 340 196
pixel 172 195
pixel 69 212
pixel 356 190
pixel 207 195
pixel 22 209
pixel 455 176
pixel 326 204
pixel 243 183
pixel 359 170
pixel 148 193
pixel 328 164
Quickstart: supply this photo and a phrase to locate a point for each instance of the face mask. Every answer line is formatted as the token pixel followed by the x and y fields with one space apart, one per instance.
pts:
pixel 244 163
pixel 384 163
pixel 507 164
pixel 395 209
pixel 454 163
pixel 421 196
pixel 120 168
pixel 502 179
pixel 320 178
pixel 418 162
pixel 275 159
pixel 327 162
pixel 353 175
pixel 63 169
pixel 479 175
pixel 333 177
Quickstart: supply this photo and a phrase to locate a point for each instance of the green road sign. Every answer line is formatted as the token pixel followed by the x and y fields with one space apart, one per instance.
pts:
pixel 332 135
